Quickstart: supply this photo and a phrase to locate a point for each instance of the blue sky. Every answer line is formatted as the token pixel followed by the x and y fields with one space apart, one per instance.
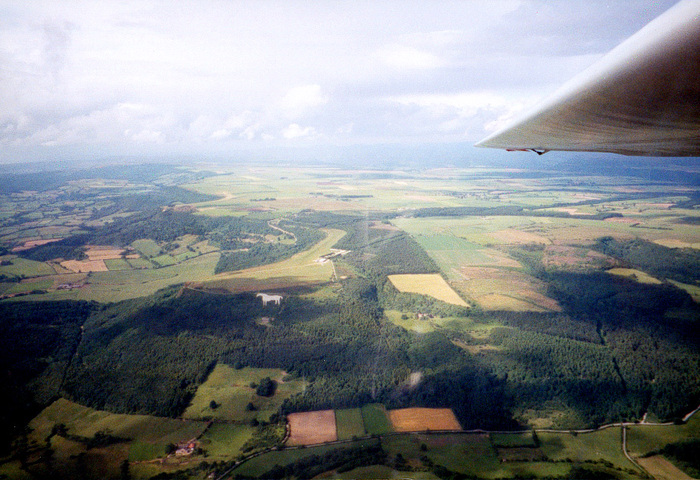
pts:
pixel 92 79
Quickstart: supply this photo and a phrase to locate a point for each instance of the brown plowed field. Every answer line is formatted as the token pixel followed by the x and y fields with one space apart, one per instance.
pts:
pixel 309 428
pixel 421 419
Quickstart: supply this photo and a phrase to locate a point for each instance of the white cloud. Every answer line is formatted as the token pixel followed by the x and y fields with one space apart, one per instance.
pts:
pixel 149 136
pixel 212 74
pixel 301 99
pixel 294 130
pixel 405 57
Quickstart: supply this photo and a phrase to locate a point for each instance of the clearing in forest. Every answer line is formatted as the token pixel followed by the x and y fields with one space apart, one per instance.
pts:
pixel 431 284
pixel 309 428
pixel 231 391
pixel 423 419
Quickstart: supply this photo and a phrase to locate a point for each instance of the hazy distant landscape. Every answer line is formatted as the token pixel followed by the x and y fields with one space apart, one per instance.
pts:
pixel 438 322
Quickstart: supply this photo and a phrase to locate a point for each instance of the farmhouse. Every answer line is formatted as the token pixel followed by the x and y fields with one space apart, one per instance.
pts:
pixel 270 298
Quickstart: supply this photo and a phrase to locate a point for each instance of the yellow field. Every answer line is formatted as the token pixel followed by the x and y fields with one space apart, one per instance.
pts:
pixel 693 290
pixel 421 419
pixel 82 266
pixel 100 252
pixel 633 274
pixel 431 284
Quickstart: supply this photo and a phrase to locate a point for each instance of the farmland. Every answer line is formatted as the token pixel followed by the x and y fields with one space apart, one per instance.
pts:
pixel 411 301
pixel 427 284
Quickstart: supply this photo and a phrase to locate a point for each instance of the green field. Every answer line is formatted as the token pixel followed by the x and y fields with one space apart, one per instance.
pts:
pixel 262 463
pixel 223 441
pixel 603 445
pixel 21 267
pixel 410 322
pixel 149 248
pixel 231 390
pixel 469 454
pixel 642 439
pixel 510 440
pixel 375 419
pixel 141 451
pixel 86 422
pixel 113 286
pixel 118 264
pixel 349 423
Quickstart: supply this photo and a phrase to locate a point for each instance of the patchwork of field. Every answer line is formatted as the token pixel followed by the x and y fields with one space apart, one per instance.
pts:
pixel 431 284
pixel 309 428
pixel 233 395
pixel 114 273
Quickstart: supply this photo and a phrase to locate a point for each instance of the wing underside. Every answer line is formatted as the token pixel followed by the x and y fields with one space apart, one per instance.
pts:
pixel 643 98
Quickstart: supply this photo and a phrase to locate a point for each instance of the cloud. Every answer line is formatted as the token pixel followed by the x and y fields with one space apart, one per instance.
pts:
pixel 211 75
pixel 294 130
pixel 410 58
pixel 301 99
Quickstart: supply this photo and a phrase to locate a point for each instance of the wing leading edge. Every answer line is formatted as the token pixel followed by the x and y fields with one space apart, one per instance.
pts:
pixel 642 98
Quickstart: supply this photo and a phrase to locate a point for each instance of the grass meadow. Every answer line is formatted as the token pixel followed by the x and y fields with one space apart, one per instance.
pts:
pixel 376 419
pixel 222 441
pixel 231 390
pixel 642 439
pixel 349 423
pixel 594 446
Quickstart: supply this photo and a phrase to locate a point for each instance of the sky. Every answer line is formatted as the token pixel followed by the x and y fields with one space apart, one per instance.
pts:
pixel 102 79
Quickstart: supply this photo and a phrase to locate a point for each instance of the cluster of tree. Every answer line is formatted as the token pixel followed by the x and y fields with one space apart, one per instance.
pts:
pixel 681 264
pixel 378 252
pixel 266 387
pixel 552 323
pixel 262 252
pixel 650 331
pixel 509 210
